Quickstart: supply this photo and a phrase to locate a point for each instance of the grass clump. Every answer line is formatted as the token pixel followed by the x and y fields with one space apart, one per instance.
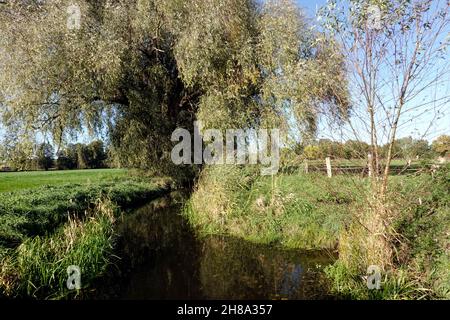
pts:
pixel 38 267
pixel 419 238
pixel 407 234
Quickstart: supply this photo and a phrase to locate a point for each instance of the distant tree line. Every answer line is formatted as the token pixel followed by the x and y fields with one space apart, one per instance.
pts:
pixel 82 156
pixel 74 156
pixel 404 148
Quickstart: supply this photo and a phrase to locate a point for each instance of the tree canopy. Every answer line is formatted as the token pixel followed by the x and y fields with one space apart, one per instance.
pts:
pixel 44 156
pixel 442 145
pixel 142 68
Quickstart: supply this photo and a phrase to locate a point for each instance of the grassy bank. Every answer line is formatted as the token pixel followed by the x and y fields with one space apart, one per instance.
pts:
pixel 315 212
pixel 44 230
pixel 295 211
pixel 40 211
pixel 419 239
pixel 38 267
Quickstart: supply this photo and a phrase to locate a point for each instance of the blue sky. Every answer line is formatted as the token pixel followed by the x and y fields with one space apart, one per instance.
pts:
pixel 311 5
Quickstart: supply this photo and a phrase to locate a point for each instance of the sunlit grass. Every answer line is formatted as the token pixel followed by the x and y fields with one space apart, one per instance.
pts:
pixel 45 229
pixel 13 181
pixel 295 211
pixel 312 211
pixel 38 267
pixel 39 211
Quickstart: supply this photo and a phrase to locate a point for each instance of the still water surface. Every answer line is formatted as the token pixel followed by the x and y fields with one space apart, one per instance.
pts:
pixel 162 258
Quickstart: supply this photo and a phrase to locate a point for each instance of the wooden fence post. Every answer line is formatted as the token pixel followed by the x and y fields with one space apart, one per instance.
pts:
pixel 328 162
pixel 306 166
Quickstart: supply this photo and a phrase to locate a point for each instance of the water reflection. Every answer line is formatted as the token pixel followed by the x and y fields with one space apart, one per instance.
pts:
pixel 232 268
pixel 162 259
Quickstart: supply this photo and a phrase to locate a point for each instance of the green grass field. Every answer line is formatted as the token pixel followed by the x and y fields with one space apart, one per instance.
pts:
pixel 14 181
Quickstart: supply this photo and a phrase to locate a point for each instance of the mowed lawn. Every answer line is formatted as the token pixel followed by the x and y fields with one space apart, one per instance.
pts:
pixel 13 181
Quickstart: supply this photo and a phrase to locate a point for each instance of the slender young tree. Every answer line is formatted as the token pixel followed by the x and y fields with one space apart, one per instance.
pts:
pixel 397 63
pixel 398 70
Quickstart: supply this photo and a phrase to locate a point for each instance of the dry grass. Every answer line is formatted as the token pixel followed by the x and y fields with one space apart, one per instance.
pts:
pixel 407 235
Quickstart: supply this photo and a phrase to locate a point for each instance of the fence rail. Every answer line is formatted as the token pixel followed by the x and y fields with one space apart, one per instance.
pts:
pixel 354 169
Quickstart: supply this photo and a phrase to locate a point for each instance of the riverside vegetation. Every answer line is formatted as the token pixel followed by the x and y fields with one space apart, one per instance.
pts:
pixel 44 230
pixel 314 212
pixel 139 70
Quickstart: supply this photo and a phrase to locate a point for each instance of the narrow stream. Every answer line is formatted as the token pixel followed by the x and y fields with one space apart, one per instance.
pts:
pixel 161 258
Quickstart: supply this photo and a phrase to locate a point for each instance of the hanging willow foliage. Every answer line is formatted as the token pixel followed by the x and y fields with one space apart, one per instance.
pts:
pixel 144 67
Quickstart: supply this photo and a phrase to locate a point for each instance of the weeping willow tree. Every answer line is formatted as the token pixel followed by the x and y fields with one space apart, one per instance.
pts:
pixel 142 68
